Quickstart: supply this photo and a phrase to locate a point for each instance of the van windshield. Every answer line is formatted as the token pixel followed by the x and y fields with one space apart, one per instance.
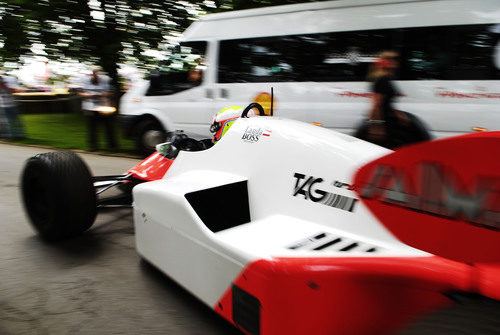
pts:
pixel 181 71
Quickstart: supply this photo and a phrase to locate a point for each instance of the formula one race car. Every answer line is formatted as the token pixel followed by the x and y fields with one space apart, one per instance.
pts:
pixel 61 197
pixel 287 228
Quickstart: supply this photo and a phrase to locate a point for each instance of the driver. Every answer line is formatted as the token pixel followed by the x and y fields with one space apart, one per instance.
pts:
pixel 223 120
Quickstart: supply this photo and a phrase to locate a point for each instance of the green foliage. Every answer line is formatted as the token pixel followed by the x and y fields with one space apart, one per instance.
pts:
pixel 65 131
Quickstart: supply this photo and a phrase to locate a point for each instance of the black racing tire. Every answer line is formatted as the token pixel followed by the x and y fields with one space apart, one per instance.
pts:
pixel 58 195
pixel 149 133
pixel 415 132
pixel 475 318
pixel 398 135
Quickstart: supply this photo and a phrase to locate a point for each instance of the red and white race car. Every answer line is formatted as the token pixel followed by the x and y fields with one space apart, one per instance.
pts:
pixel 286 228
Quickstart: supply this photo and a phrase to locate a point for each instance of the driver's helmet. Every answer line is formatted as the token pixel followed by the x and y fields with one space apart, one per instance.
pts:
pixel 223 120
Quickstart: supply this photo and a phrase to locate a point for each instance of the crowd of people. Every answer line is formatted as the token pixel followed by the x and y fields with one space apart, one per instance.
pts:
pixel 95 93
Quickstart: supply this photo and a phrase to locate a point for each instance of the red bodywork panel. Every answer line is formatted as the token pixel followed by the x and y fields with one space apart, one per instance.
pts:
pixel 488 280
pixel 152 168
pixel 442 197
pixel 347 295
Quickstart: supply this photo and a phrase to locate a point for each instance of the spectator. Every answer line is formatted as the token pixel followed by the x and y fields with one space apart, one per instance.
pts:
pixel 11 126
pixel 97 108
pixel 384 120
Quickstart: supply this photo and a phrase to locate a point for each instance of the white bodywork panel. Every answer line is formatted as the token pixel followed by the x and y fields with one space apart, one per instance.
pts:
pixel 172 236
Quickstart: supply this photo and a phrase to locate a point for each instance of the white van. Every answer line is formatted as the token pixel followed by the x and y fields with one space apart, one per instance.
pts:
pixel 316 57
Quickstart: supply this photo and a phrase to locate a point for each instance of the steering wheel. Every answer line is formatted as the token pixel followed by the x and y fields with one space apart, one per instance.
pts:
pixel 253 105
pixel 190 144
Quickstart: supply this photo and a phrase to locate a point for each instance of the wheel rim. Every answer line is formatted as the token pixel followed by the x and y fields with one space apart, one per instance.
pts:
pixel 152 137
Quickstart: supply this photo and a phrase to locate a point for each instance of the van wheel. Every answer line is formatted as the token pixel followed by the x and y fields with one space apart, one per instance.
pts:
pixel 58 195
pixel 149 134
pixel 479 317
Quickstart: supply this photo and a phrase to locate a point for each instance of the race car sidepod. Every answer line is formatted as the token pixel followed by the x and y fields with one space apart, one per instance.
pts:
pixel 265 228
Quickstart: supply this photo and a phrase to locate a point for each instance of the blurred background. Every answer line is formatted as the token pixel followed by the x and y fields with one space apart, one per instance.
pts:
pixel 127 55
pixel 49 47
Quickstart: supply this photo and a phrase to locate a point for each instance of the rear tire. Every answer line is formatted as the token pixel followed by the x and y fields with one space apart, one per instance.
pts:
pixel 475 318
pixel 149 134
pixel 58 195
pixel 399 135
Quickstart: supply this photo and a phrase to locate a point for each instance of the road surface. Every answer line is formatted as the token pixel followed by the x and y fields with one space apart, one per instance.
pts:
pixel 94 284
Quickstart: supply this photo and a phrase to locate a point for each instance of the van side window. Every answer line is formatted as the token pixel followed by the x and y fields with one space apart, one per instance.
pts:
pixel 450 53
pixel 426 54
pixel 256 60
pixel 467 52
pixel 181 71
pixel 312 57
pixel 475 50
pixel 343 56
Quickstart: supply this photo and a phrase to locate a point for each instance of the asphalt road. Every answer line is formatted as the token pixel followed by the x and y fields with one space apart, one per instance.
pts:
pixel 93 284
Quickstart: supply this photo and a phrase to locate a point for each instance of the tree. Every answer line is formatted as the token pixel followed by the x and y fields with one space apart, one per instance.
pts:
pixel 101 32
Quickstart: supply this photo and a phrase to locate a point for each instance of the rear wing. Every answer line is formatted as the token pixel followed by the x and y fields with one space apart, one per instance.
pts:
pixel 442 197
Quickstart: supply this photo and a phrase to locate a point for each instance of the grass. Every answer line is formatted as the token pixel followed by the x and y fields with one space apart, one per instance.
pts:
pixel 67 131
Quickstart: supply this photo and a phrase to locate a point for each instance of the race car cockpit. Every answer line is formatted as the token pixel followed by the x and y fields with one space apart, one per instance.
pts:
pixel 221 123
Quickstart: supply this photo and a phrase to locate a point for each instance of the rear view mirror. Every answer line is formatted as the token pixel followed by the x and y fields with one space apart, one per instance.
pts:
pixel 167 150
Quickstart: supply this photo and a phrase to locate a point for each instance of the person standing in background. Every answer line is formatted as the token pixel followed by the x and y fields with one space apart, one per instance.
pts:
pixel 11 126
pixel 384 120
pixel 96 94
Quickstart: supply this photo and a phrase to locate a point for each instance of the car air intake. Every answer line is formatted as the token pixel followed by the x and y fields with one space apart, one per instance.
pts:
pixel 221 207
